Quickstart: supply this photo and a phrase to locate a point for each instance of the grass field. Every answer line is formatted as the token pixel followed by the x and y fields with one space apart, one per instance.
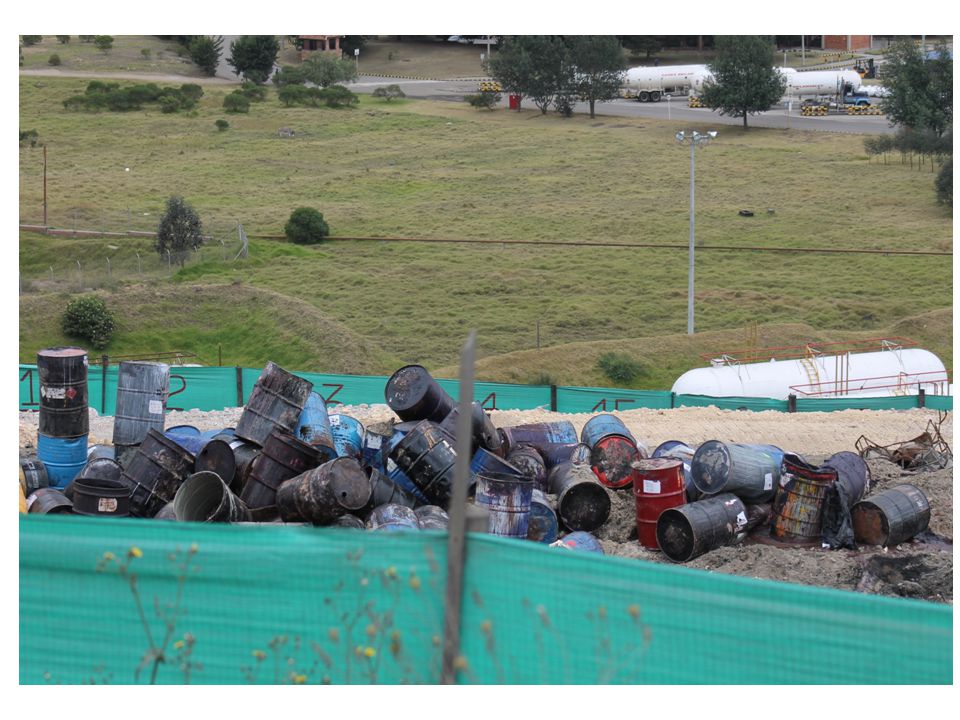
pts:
pixel 126 55
pixel 430 169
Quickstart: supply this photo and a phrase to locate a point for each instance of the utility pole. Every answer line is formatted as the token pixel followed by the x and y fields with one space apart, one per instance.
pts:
pixel 45 185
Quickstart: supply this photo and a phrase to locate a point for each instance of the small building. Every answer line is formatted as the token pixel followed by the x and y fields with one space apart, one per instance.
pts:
pixel 848 43
pixel 310 44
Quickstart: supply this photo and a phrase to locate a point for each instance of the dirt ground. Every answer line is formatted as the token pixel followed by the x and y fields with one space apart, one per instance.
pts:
pixel 920 568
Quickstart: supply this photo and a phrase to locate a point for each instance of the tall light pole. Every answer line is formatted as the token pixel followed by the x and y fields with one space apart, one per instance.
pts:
pixel 695 139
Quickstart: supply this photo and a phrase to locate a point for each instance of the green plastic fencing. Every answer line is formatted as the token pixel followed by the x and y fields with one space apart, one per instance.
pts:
pixel 215 388
pixel 100 599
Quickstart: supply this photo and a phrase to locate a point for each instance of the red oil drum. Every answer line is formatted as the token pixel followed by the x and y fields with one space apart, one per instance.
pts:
pixel 657 486
pixel 612 459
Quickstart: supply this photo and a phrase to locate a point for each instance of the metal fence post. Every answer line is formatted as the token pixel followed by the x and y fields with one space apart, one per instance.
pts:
pixel 553 398
pixel 104 361
pixel 239 387
pixel 922 398
pixel 791 403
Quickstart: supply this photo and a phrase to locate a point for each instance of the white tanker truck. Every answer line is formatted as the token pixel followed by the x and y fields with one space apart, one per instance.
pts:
pixel 651 84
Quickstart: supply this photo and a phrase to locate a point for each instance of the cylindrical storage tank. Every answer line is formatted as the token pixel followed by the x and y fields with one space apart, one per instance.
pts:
pixel 399 478
pixel 431 517
pixel 324 493
pixel 100 498
pixel 142 391
pixel 752 472
pixel 690 530
pixel 64 403
pixel 204 497
pixel 528 460
pixel 657 486
pixel 582 502
pixel 392 518
pixel 33 474
pixel 543 526
pixel 799 502
pixel 507 499
pixel 892 516
pixel 428 458
pixel 413 394
pixel 62 457
pixel 537 434
pixel 276 403
pixel 556 453
pixel 283 457
pixel 684 453
pixel 313 427
pixel 48 501
pixel 154 473
pixel 580 540
pixel 347 435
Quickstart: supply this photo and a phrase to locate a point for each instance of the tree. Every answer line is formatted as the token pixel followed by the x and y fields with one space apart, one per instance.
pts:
pixel 205 51
pixel 530 66
pixel 389 92
pixel 63 39
pixel 180 230
pixel 745 80
pixel 253 56
pixel 596 67
pixel 944 183
pixel 29 40
pixel 236 102
pixel 921 90
pixel 647 45
pixel 306 226
pixel 325 70
pixel 104 43
pixel 511 66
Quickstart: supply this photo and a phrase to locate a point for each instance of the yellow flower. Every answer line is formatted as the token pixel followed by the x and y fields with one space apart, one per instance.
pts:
pixel 178 644
pixel 391 572
pixel 371 629
pixel 369 652
pixel 193 547
pixel 108 556
pixel 602 612
pixel 299 679
pixel 334 634
pixel 136 552
pixel 634 611
pixel 415 583
pixel 460 663
pixel 259 654
pixel 485 626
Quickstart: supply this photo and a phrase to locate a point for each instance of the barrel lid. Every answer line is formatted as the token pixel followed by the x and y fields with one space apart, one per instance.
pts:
pixel 62 352
pixel 655 463
pixel 667 446
pixel 407 386
pixel 710 466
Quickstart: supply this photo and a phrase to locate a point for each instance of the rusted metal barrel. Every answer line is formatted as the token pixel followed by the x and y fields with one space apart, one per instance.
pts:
pixel 752 472
pixel 154 473
pixel 276 403
pixel 413 394
pixel 64 399
pixel 374 442
pixel 48 501
pixel 799 502
pixel 324 493
pixel 392 518
pixel 561 432
pixel 431 517
pixel 142 391
pixel 100 498
pixel 657 486
pixel 556 453
pixel 349 521
pixel 684 453
pixel 426 456
pixel 485 460
pixel 582 502
pixel 507 499
pixel 347 435
pixel 283 457
pixel 688 531
pixel 613 449
pixel 98 451
pixel 484 433
pixel 581 541
pixel 543 526
pixel 313 427
pixel 33 474
pixel 205 497
pixel 892 516
pixel 229 457
pixel 384 491
pixel 528 461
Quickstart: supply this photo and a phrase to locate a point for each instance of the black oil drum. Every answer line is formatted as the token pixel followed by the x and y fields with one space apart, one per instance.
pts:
pixel 64 403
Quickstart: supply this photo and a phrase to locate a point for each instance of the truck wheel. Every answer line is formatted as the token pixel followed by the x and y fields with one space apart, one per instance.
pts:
pixel 644 96
pixel 655 96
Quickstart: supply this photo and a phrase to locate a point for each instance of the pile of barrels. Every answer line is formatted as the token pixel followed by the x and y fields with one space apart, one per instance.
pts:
pixel 290 460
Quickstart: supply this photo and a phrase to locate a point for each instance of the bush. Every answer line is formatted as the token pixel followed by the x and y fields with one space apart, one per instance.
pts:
pixel 389 92
pixel 944 182
pixel 169 104
pixel 104 43
pixel 30 40
pixel 192 91
pixel 254 92
pixel 289 75
pixel 63 39
pixel 222 124
pixel 487 100
pixel 179 231
pixel 236 102
pixel 338 96
pixel 306 226
pixel 54 60
pixel 145 52
pixel 619 368
pixel 31 136
pixel 87 317
pixel 291 95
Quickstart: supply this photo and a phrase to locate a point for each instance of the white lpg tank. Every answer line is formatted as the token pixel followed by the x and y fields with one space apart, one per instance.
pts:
pixel 873 374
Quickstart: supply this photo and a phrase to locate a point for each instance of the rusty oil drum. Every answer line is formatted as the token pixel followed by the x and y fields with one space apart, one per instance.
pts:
pixel 154 473
pixel 205 497
pixel 100 497
pixel 276 402
pixel 657 486
pixel 483 433
pixel 583 504
pixel 426 455
pixel 507 498
pixel 413 394
pixel 688 531
pixel 392 518
pixel 561 432
pixel 892 516
pixel 64 405
pixel 613 449
pixel 751 472
pixel 528 460
pixel 283 457
pixel 324 493
pixel 799 502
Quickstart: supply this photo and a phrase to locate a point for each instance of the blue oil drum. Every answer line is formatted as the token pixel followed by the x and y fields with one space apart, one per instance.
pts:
pixel 313 428
pixel 507 498
pixel 679 450
pixel 600 426
pixel 62 457
pixel 580 540
pixel 393 518
pixel 543 525
pixel 751 472
pixel 347 435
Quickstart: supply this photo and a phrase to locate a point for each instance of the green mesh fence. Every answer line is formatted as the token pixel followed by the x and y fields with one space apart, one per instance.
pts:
pixel 287 604
pixel 215 388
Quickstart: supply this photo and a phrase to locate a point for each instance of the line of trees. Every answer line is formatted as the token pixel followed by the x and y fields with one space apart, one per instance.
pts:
pixel 559 70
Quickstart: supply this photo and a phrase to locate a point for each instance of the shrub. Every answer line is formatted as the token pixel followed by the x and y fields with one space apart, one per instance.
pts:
pixel 145 52
pixel 236 102
pixel 179 231
pixel 306 226
pixel 480 100
pixel 31 136
pixel 620 368
pixel 87 317
pixel 338 96
pixel 291 95
pixel 191 91
pixel 63 39
pixel 169 104
pixel 389 92
pixel 222 124
pixel 30 40
pixel 104 43
pixel 289 75
pixel 54 59
pixel 944 182
pixel 254 92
